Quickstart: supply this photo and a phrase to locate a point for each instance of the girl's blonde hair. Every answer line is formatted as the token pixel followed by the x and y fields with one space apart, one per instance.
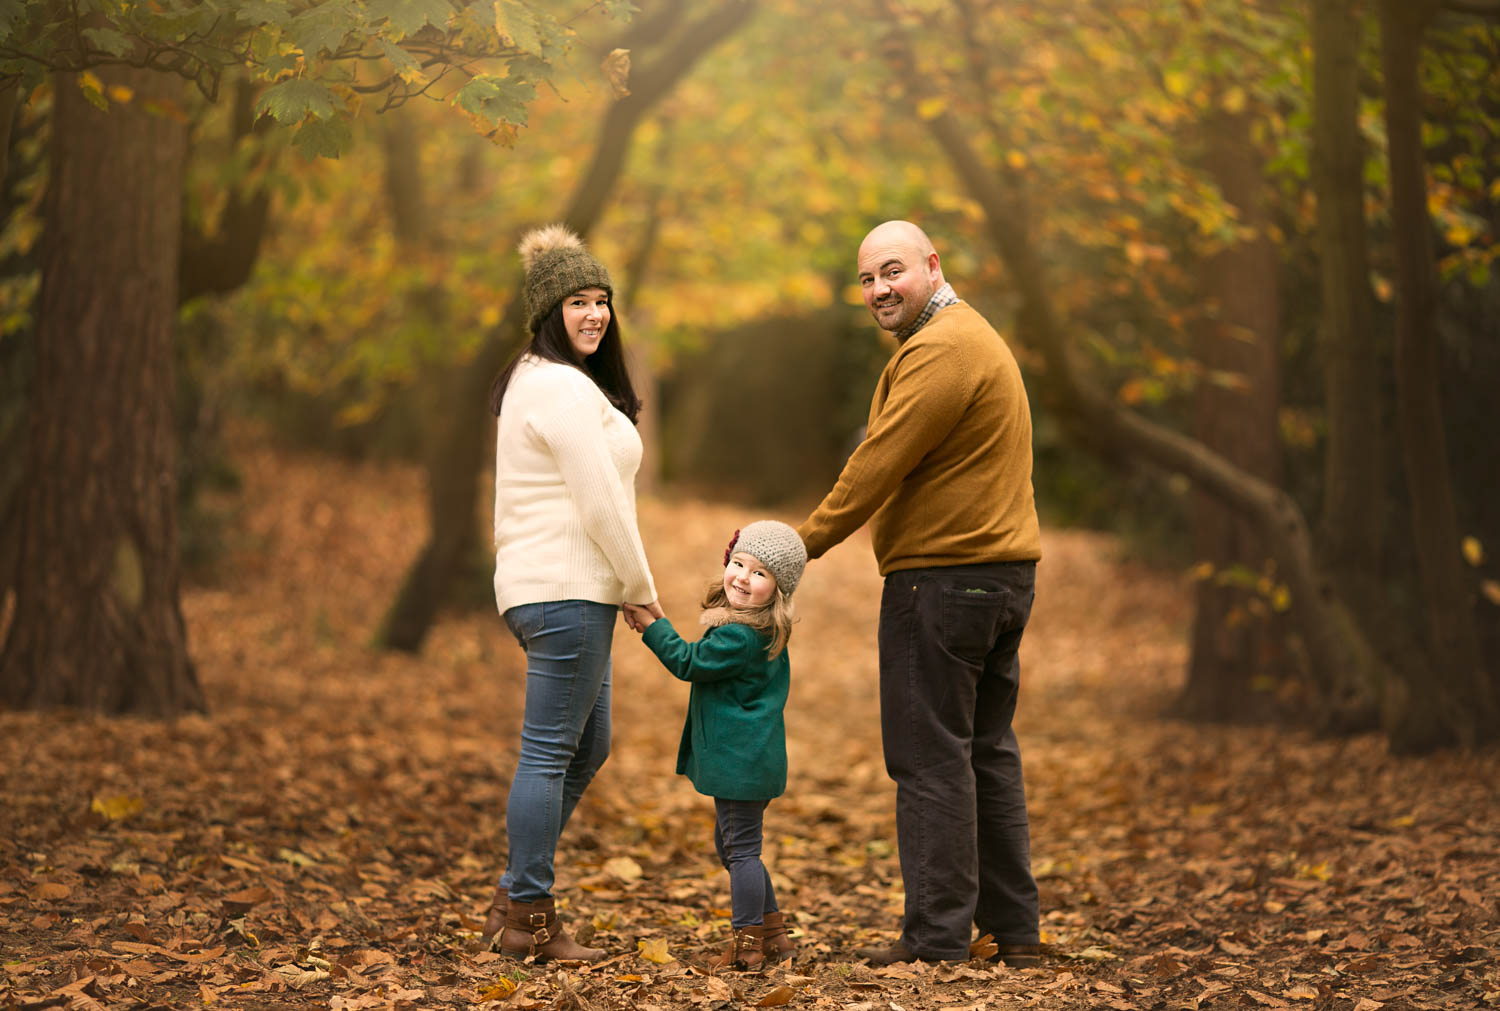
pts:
pixel 775 616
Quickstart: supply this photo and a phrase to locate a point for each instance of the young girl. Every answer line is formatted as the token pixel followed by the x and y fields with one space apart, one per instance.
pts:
pixel 734 741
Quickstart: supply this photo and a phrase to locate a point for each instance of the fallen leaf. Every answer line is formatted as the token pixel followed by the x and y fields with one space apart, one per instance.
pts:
pixel 297 977
pixel 51 891
pixel 624 868
pixel 243 901
pixel 499 990
pixel 118 807
pixel 156 949
pixel 777 997
pixel 654 950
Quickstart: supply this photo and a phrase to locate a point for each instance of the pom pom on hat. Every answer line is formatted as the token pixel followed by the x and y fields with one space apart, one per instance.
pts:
pixel 556 264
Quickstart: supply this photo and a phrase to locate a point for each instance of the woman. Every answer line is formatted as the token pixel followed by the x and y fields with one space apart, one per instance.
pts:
pixel 567 554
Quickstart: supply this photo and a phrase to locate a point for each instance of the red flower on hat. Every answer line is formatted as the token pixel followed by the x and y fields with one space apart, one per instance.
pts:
pixel 730 549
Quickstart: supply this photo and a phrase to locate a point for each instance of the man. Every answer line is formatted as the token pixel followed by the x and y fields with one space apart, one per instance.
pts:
pixel 944 478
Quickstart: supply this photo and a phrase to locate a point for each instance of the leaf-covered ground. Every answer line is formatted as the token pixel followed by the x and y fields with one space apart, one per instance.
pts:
pixel 329 835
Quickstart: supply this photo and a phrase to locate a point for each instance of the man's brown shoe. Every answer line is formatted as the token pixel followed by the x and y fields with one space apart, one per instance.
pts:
pixel 888 955
pixel 1021 956
pixel 1017 956
pixel 893 953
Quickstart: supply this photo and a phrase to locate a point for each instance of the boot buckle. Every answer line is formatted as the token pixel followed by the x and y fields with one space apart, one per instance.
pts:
pixel 541 936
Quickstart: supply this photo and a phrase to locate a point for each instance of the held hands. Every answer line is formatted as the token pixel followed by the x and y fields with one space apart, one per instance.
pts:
pixel 638 616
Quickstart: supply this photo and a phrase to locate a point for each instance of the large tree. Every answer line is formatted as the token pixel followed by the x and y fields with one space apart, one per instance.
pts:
pixel 1459 687
pixel 1237 642
pixel 96 621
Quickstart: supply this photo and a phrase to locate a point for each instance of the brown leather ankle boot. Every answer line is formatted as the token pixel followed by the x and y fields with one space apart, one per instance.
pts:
pixel 743 952
pixel 532 928
pixel 776 945
pixel 494 921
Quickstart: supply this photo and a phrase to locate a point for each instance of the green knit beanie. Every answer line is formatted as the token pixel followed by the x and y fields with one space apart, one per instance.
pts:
pixel 776 546
pixel 556 265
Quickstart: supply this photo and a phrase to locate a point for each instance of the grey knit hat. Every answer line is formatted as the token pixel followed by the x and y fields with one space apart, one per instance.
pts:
pixel 556 266
pixel 778 548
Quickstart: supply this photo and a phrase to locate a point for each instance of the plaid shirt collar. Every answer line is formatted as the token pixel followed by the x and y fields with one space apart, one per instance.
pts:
pixel 941 299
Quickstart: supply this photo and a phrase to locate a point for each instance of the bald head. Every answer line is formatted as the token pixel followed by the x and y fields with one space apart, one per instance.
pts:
pixel 897 233
pixel 898 273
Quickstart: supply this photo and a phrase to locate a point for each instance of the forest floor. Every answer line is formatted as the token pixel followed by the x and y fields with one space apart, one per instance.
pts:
pixel 329 834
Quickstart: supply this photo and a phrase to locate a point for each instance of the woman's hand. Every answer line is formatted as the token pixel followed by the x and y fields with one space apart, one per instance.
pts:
pixel 636 617
pixel 639 616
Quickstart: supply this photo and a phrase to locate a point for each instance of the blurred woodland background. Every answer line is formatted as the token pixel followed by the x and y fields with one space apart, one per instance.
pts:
pixel 1244 250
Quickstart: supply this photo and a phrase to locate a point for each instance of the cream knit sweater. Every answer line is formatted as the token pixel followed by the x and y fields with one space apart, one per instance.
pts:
pixel 565 521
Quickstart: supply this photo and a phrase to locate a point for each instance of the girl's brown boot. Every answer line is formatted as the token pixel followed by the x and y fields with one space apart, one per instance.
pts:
pixel 775 944
pixel 744 951
pixel 532 928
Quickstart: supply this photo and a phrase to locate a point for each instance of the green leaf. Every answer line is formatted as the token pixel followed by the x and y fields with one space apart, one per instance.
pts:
pixel 620 10
pixel 109 40
pixel 325 138
pixel 497 99
pixel 12 13
pixel 517 21
pixel 408 67
pixel 262 12
pixel 292 101
pixel 527 67
pixel 408 16
pixel 323 27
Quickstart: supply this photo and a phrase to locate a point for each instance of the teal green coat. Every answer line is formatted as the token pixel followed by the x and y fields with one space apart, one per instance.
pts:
pixel 734 740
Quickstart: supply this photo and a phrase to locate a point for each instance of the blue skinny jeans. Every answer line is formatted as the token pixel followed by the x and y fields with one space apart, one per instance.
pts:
pixel 565 733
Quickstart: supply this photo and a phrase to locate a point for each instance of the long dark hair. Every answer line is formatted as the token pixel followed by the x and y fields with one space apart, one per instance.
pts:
pixel 606 366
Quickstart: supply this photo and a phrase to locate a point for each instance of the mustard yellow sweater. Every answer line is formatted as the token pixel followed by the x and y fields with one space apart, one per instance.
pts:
pixel 944 473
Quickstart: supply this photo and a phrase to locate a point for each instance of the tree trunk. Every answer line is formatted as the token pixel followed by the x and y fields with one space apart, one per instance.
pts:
pixel 97 623
pixel 1351 530
pixel 1236 639
pixel 449 492
pixel 219 263
pixel 454 477
pixel 1458 700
